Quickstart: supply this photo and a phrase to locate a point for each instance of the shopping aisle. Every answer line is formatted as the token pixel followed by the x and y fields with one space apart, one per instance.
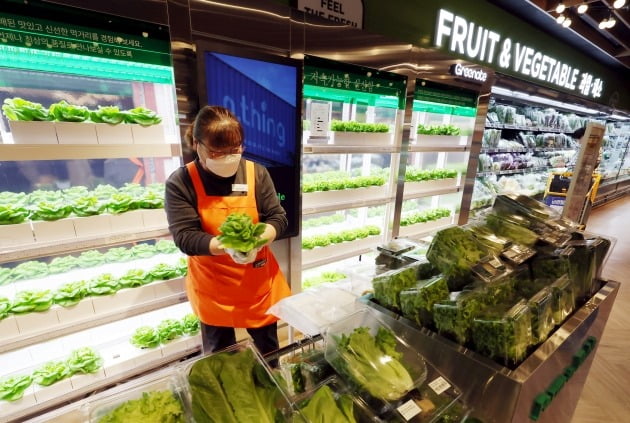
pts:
pixel 606 395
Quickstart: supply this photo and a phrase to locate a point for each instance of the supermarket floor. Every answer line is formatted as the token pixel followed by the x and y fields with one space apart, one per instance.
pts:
pixel 606 394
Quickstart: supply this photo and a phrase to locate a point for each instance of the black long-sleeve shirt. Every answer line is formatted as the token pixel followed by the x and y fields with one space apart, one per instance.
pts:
pixel 180 203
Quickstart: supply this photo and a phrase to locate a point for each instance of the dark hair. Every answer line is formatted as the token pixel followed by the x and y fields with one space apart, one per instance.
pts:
pixel 217 127
pixel 579 133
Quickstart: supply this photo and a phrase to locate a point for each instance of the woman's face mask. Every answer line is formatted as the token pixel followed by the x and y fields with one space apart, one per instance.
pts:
pixel 225 166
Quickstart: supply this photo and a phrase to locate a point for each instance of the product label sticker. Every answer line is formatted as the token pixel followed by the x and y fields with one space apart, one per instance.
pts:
pixel 239 187
pixel 439 385
pixel 409 410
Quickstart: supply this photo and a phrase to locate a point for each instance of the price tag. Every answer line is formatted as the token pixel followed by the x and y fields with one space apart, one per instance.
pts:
pixel 439 385
pixel 409 410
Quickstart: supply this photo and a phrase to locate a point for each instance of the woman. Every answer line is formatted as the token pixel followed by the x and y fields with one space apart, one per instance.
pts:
pixel 226 289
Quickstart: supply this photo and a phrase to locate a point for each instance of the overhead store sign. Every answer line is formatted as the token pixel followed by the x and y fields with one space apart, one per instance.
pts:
pixel 345 12
pixel 336 81
pixel 459 35
pixel 115 47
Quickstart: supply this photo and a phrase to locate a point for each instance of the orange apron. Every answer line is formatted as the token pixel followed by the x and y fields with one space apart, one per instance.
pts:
pixel 224 293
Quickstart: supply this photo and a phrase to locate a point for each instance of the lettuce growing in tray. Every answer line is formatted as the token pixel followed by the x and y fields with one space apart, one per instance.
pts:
pixel 118 255
pixel 62 264
pixel 5 307
pixel 163 271
pixel 12 388
pixel 70 293
pixel 169 329
pixel 105 284
pixel 166 246
pixel 51 372
pixel 134 278
pixel 104 191
pixel 12 214
pixel 232 386
pixel 88 206
pixel 145 337
pixel 190 324
pixel 143 250
pixel 142 116
pixel 5 275
pixel 46 210
pixel 63 111
pixel 19 109
pixel 352 126
pixel 107 114
pixel 91 258
pixel 152 406
pixel 121 203
pixel 29 301
pixel 84 360
pixel 29 269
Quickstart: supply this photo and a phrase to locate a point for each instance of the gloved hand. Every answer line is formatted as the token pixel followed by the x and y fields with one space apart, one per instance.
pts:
pixel 242 258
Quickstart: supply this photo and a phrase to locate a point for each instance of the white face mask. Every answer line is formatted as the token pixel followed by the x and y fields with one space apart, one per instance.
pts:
pixel 225 166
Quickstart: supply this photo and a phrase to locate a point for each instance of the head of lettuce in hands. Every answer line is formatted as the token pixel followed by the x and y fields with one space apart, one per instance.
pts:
pixel 241 237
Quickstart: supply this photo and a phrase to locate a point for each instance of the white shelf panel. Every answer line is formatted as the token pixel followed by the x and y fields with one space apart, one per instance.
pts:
pixel 335 252
pixel 345 149
pixel 41 249
pixel 326 201
pixel 104 309
pixel 10 152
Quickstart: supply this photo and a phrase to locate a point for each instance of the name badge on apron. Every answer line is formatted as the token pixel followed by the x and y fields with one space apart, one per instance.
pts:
pixel 239 187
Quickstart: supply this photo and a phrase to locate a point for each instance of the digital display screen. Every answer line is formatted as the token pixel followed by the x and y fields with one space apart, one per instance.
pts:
pixel 263 91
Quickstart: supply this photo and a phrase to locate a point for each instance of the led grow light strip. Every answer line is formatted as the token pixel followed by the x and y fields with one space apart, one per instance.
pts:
pixel 50 61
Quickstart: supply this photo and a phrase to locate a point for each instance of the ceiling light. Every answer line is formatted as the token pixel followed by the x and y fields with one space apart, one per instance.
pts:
pixel 611 22
pixel 603 24
pixel 582 8
pixel 566 23
pixel 560 7
pixel 560 19
pixel 619 3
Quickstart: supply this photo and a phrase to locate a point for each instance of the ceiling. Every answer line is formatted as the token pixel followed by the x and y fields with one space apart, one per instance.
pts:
pixel 609 46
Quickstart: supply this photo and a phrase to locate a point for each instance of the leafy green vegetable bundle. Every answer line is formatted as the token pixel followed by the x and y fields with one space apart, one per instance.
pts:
pixel 373 363
pixel 239 232
pixel 417 302
pixel 454 317
pixel 233 387
pixel 12 388
pixel 327 407
pixel 454 251
pixel 387 286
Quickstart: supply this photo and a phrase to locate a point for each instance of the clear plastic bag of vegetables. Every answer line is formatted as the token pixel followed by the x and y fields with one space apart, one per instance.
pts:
pixel 562 299
pixel 387 286
pixel 503 335
pixel 541 309
pixel 417 302
pixel 453 318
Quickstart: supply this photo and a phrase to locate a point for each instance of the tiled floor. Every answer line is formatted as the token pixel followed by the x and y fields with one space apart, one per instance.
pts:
pixel 606 394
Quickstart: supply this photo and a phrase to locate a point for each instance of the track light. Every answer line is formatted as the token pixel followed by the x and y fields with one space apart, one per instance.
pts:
pixel 560 7
pixel 566 23
pixel 603 24
pixel 560 19
pixel 582 8
pixel 611 22
pixel 619 3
